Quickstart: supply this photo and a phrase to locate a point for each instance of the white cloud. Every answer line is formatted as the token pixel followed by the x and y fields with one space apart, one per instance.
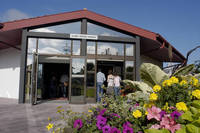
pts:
pixel 14 14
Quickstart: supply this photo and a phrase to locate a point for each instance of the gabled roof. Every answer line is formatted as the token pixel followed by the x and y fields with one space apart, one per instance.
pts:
pixel 155 41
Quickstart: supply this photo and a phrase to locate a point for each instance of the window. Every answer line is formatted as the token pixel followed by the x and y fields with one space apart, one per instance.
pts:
pixel 94 29
pixel 90 47
pixel 106 48
pixel 129 49
pixel 54 46
pixel 129 70
pixel 76 47
pixel 74 27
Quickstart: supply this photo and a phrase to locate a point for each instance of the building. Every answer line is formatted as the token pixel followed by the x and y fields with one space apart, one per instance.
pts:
pixel 35 52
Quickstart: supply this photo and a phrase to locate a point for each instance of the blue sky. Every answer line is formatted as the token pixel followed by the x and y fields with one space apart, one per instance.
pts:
pixel 176 20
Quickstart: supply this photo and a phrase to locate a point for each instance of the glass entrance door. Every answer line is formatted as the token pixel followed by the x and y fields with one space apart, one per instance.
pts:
pixel 34 80
pixel 78 80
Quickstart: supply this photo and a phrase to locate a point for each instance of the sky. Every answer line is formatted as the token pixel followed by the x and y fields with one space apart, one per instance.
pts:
pixel 178 21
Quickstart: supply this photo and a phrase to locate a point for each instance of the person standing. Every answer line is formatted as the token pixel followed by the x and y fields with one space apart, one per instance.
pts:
pixel 64 80
pixel 100 79
pixel 117 80
pixel 110 81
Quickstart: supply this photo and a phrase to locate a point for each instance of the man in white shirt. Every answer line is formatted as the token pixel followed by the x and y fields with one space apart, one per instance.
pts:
pixel 100 79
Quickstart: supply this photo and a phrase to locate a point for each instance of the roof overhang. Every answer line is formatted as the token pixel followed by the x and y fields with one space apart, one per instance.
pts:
pixel 151 43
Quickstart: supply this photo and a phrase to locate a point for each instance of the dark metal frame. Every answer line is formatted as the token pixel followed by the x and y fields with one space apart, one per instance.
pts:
pixel 25 34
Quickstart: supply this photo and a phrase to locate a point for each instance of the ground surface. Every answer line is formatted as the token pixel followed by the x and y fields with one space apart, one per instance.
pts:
pixel 24 118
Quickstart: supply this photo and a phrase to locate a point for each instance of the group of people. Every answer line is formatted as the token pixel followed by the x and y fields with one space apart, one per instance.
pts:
pixel 113 84
pixel 58 88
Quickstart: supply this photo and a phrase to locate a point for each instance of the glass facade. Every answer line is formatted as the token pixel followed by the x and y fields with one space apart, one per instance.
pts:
pixel 107 48
pixel 94 29
pixel 81 69
pixel 74 27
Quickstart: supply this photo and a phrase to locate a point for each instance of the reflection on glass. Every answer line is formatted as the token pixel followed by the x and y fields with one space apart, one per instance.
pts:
pixel 90 92
pixel 90 79
pixel 104 48
pixel 39 81
pixel 129 76
pixel 74 27
pixel 129 49
pixel 90 47
pixel 76 47
pixel 54 46
pixel 94 29
pixel 129 66
pixel 77 86
pixel 78 66
pixel 28 77
pixel 90 65
pixel 31 45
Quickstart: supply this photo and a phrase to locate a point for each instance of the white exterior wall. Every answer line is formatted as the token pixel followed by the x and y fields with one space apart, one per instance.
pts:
pixel 145 59
pixel 9 73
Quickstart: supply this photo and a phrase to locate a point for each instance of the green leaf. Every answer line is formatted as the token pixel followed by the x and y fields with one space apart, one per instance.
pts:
pixel 182 130
pixel 156 131
pixel 196 104
pixel 152 74
pixel 187 116
pixel 184 70
pixel 194 110
pixel 192 128
pixel 196 123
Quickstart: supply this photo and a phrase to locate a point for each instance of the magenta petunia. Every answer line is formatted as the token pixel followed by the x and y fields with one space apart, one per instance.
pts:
pixel 102 112
pixel 153 112
pixel 162 113
pixel 100 124
pixel 115 130
pixel 113 114
pixel 106 129
pixel 127 130
pixel 78 124
pixel 101 118
pixel 175 114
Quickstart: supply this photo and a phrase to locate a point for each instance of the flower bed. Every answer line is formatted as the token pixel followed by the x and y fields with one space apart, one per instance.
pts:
pixel 173 106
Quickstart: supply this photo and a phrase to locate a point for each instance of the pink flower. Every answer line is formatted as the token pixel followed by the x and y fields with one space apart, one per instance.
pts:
pixel 153 112
pixel 156 126
pixel 170 124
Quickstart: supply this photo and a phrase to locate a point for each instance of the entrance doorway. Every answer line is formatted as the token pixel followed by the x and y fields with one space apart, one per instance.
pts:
pixel 114 66
pixel 55 77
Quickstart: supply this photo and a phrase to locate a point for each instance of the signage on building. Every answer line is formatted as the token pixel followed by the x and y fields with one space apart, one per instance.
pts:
pixel 84 36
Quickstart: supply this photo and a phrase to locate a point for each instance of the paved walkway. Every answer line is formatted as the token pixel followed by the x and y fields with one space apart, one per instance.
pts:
pixel 24 118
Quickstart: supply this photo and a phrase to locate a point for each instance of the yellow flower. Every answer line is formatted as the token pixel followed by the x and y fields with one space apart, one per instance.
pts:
pixel 196 93
pixel 153 97
pixel 174 80
pixel 156 88
pixel 167 83
pixel 183 82
pixel 149 105
pixel 146 113
pixel 166 107
pixel 137 114
pixel 181 106
pixel 90 111
pixel 194 81
pixel 49 126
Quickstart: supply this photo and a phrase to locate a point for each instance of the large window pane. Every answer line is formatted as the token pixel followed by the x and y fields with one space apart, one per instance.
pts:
pixel 90 79
pixel 105 48
pixel 129 66
pixel 77 86
pixel 78 66
pixel 129 50
pixel 90 47
pixel 54 46
pixel 74 27
pixel 90 65
pixel 94 29
pixel 31 45
pixel 76 47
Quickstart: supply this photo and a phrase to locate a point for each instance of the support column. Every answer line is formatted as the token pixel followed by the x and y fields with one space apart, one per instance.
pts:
pixel 84 42
pixel 137 59
pixel 23 67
